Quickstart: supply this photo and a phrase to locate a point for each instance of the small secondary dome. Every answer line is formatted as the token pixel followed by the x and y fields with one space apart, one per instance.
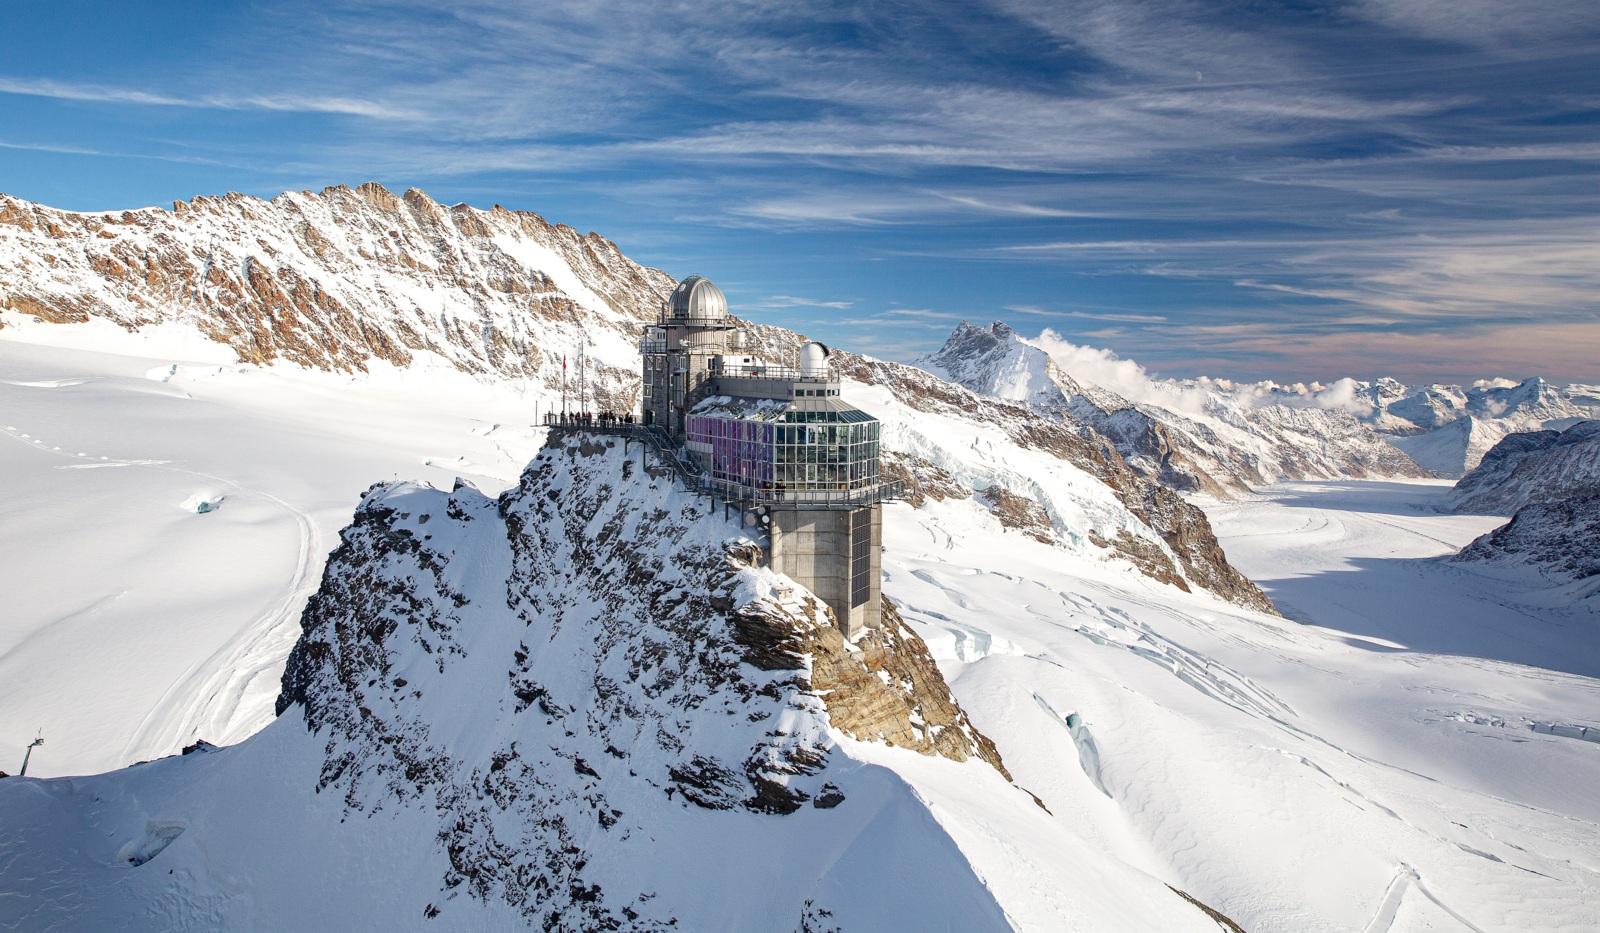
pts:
pixel 814 360
pixel 697 299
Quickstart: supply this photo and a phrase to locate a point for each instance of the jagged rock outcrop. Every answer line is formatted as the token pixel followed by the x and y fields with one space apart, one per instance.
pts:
pixel 1535 466
pixel 1560 538
pixel 920 479
pixel 632 655
pixel 883 687
pixel 341 278
pixel 1019 512
pixel 1550 482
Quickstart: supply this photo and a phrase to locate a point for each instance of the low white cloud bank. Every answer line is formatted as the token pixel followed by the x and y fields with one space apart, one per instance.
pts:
pixel 1126 378
pixel 1341 395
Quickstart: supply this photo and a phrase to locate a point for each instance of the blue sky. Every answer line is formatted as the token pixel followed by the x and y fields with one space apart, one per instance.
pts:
pixel 1251 190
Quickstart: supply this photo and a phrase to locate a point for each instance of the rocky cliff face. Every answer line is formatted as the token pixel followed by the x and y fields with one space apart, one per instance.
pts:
pixel 340 278
pixel 1536 466
pixel 1560 538
pixel 1550 481
pixel 625 653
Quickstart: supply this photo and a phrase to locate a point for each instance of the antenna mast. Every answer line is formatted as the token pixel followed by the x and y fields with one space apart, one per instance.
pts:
pixel 583 373
pixel 29 754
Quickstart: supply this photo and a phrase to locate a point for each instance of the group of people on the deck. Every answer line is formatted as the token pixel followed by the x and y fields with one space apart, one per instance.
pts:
pixel 586 419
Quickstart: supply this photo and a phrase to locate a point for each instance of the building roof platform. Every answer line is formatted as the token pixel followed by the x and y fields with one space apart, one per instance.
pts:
pixel 788 411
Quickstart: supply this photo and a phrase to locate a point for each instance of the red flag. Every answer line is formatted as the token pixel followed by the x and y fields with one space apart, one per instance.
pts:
pixel 563 362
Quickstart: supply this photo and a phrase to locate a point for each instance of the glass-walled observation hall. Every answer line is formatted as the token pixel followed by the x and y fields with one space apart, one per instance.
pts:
pixel 803 449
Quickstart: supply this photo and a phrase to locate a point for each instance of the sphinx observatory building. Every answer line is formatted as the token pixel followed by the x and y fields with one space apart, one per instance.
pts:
pixel 776 440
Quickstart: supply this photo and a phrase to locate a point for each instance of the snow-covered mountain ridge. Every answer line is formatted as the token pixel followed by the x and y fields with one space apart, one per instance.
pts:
pixel 1408 754
pixel 335 279
pixel 306 438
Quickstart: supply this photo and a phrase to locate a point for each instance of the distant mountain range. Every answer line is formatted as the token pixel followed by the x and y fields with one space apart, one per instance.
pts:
pixel 1222 438
pixel 1447 429
pixel 1189 437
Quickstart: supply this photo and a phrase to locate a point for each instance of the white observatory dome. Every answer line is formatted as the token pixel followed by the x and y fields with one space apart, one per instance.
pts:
pixel 697 299
pixel 814 360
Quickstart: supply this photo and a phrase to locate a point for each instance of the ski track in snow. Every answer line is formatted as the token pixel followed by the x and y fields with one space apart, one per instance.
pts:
pixel 210 673
pixel 206 700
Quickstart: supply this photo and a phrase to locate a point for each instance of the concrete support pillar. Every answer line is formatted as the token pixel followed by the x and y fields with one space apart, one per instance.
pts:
pixel 836 554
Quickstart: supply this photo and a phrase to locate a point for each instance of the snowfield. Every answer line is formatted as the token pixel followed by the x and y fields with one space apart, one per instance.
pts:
pixel 1411 750
pixel 135 623
pixel 1317 776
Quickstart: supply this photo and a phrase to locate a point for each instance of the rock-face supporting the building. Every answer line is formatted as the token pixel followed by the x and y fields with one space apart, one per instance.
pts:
pixel 838 555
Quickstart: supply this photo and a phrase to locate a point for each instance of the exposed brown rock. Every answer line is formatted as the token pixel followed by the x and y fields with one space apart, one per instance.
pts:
pixel 1019 512
pixel 329 280
pixel 911 707
pixel 1151 560
pixel 921 479
pixel 914 709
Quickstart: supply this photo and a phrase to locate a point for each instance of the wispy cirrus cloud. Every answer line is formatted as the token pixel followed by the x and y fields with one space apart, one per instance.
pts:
pixel 1124 317
pixel 58 90
pixel 792 301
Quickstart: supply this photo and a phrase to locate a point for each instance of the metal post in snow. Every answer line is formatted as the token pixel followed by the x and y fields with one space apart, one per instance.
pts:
pixel 29 754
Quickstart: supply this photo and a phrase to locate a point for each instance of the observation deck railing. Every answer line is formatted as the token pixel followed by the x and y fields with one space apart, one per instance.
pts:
pixel 668 454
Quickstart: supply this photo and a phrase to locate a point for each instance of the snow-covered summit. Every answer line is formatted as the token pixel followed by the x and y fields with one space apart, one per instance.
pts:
pixel 996 361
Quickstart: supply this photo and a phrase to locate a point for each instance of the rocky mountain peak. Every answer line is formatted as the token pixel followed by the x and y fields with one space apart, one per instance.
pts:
pixel 559 673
